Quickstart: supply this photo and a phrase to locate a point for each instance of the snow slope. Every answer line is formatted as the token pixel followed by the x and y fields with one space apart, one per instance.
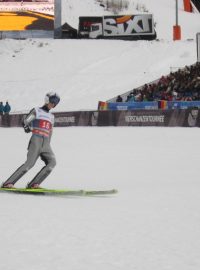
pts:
pixel 152 223
pixel 86 71
pixel 83 72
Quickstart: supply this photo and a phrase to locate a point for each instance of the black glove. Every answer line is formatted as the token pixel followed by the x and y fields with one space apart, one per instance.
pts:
pixel 27 129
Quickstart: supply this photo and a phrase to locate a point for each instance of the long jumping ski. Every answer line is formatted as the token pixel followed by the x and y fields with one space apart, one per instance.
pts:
pixel 58 192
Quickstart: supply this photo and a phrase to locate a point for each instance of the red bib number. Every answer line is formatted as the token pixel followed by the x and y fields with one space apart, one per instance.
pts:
pixel 45 125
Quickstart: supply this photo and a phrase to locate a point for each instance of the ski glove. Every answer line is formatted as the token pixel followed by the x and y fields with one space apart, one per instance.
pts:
pixel 27 129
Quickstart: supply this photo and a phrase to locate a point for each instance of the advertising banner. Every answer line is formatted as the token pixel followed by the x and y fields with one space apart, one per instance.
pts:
pixel 148 105
pixel 128 25
pixel 160 118
pixel 13 120
pixel 133 118
pixel 83 118
pixel 22 15
pixel 182 104
pixel 121 106
pixel 166 118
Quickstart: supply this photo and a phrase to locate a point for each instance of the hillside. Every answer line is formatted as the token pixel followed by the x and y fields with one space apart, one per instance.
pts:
pixel 163 11
pixel 86 71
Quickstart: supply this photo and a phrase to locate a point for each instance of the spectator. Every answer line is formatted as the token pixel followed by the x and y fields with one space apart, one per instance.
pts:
pixel 128 97
pixel 7 108
pixel 1 108
pixel 183 84
pixel 119 99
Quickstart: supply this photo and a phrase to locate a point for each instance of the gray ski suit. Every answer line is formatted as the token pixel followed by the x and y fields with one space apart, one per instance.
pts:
pixel 40 122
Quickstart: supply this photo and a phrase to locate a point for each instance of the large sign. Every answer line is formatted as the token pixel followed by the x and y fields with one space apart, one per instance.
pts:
pixel 141 24
pixel 125 27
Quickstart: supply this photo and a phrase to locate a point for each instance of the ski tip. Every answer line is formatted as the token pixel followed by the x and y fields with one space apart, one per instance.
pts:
pixel 100 192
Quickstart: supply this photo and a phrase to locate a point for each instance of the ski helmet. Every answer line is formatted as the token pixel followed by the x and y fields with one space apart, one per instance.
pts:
pixel 52 97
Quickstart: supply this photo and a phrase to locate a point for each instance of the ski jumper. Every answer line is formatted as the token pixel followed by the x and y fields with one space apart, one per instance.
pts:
pixel 40 121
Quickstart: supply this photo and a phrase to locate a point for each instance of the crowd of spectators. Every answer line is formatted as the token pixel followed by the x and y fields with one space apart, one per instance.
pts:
pixel 5 109
pixel 182 85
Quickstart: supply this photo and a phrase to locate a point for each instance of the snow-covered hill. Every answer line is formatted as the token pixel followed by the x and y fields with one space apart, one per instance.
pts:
pixel 86 71
pixel 163 12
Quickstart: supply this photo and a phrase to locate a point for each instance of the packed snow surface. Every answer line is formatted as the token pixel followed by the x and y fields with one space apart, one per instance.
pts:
pixel 152 223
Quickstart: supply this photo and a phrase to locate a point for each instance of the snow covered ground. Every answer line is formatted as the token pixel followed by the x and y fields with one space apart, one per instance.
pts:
pixel 153 222
pixel 83 72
